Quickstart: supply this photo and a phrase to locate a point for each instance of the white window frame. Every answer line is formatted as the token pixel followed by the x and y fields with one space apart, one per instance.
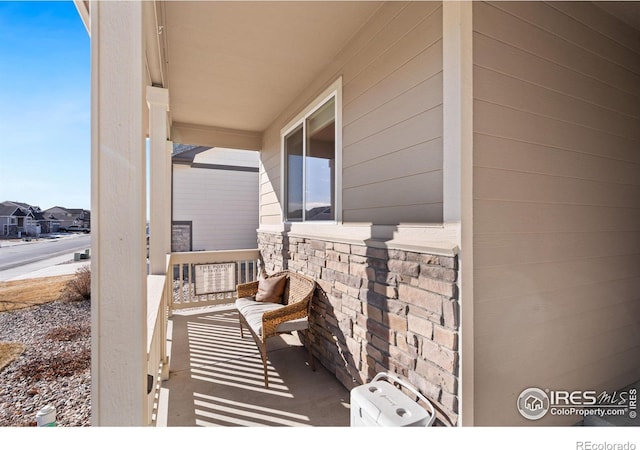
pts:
pixel 333 91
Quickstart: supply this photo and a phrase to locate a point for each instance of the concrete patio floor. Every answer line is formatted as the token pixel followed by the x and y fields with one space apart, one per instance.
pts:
pixel 216 378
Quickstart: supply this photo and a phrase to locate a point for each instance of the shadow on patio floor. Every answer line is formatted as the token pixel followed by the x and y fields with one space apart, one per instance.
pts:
pixel 216 378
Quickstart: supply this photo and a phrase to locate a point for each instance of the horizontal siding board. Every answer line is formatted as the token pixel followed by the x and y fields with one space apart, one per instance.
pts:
pixel 271 160
pixel 272 209
pixel 491 216
pixel 511 282
pixel 602 22
pixel 600 368
pixel 493 22
pixel 504 58
pixel 500 121
pixel 410 190
pixel 266 177
pixel 506 249
pixel 405 21
pixel 426 34
pixel 416 100
pixel 514 93
pixel 425 66
pixel 423 127
pixel 421 158
pixel 395 215
pixel 272 219
pixel 563 303
pixel 509 154
pixel 601 329
pixel 535 188
pixel 268 198
pixel 555 22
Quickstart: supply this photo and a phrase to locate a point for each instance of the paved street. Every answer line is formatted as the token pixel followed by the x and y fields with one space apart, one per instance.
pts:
pixel 14 256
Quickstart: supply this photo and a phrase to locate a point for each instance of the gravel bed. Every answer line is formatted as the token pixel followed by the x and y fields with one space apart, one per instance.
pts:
pixel 54 369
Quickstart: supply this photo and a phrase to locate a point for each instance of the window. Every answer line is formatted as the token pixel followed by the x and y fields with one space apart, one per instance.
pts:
pixel 310 165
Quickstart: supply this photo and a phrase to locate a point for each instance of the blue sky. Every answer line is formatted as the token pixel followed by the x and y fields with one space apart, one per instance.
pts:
pixel 45 150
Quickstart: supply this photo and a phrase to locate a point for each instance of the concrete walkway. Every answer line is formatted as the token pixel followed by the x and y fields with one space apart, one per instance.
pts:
pixel 60 265
pixel 55 266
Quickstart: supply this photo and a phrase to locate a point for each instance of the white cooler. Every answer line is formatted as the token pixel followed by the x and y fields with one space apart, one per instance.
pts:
pixel 381 404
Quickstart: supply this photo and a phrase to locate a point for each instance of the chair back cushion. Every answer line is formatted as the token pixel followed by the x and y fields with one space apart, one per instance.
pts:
pixel 271 289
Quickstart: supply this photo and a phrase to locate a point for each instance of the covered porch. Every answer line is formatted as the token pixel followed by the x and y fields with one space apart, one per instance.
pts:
pixel 207 374
pixel 459 146
pixel 215 74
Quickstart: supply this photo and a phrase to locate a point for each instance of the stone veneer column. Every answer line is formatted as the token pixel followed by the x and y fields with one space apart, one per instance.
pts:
pixel 379 309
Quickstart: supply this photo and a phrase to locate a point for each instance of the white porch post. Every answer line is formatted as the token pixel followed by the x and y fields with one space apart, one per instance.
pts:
pixel 118 196
pixel 160 204
pixel 457 53
pixel 169 196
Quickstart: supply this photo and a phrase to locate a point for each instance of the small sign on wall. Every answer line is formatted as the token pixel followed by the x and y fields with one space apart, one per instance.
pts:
pixel 181 236
pixel 215 278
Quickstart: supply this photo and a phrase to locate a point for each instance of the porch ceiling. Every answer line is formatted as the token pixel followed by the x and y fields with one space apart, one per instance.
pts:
pixel 237 65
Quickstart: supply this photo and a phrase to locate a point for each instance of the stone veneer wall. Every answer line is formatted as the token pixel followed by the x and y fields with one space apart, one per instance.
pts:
pixel 379 310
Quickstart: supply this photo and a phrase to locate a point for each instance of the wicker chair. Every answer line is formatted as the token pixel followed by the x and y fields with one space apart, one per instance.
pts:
pixel 265 320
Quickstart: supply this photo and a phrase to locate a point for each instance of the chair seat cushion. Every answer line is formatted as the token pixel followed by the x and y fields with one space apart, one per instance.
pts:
pixel 253 311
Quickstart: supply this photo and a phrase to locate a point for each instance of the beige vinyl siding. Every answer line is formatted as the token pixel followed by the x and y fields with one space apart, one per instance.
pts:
pixel 556 204
pixel 392 120
pixel 270 210
pixel 222 205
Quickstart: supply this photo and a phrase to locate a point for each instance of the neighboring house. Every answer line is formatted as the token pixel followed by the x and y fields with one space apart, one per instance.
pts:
pixel 44 223
pixel 81 217
pixel 61 218
pixel 215 196
pixel 461 178
pixel 9 218
pixel 47 224
pixel 17 219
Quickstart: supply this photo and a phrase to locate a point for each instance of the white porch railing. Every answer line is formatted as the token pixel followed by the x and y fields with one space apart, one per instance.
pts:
pixel 158 298
pixel 182 271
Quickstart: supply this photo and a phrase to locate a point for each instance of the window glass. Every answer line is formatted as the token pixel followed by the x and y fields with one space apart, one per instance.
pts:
pixel 294 158
pixel 320 162
pixel 310 167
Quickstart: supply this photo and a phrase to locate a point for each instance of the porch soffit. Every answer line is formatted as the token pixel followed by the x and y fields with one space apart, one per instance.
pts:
pixel 237 65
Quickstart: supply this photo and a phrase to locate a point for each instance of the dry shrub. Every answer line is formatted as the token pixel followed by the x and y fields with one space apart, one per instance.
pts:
pixel 62 365
pixel 79 287
pixel 69 332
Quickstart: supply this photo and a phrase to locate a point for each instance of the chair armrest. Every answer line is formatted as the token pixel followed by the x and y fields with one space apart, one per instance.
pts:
pixel 247 289
pixel 271 319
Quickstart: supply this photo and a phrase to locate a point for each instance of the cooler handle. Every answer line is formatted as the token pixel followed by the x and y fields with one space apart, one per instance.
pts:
pixel 431 411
